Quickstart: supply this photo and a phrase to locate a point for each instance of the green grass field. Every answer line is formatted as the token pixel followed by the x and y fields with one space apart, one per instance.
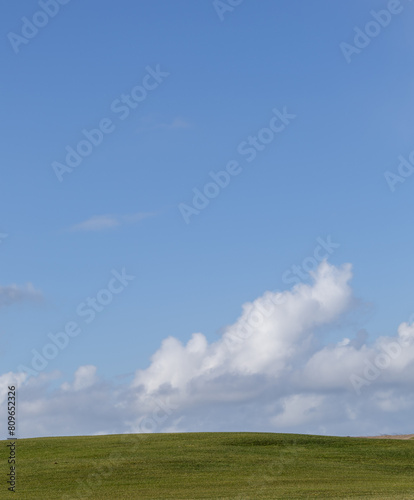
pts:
pixel 237 466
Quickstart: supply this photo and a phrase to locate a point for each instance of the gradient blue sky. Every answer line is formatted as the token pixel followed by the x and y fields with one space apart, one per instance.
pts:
pixel 323 175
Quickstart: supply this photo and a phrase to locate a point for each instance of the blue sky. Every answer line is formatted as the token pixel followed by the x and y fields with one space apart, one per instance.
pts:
pixel 224 70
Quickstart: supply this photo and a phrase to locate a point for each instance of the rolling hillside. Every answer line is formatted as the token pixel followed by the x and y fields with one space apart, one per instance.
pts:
pixel 237 466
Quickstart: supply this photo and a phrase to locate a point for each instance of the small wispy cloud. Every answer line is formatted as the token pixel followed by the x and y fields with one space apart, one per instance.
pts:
pixel 12 294
pixel 152 123
pixel 175 124
pixel 104 222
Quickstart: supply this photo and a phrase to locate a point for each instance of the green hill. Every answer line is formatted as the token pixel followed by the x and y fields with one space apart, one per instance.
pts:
pixel 238 466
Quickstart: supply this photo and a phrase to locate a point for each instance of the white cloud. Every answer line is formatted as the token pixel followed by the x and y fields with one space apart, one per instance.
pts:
pixel 258 343
pixel 104 222
pixel 85 376
pixel 12 294
pixel 299 409
pixel 270 371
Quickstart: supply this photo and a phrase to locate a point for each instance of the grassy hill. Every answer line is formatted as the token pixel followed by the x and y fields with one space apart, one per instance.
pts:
pixel 238 466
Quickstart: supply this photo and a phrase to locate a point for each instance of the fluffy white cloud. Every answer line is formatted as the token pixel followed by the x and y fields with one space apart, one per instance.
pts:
pixel 85 376
pixel 269 336
pixel 270 371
